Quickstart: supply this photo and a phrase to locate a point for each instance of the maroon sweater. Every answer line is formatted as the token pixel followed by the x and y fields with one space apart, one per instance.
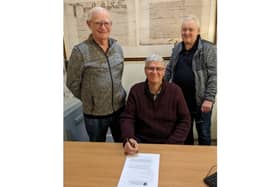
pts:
pixel 165 120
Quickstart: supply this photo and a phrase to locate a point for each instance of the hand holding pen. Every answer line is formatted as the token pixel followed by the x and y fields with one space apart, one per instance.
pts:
pixel 131 146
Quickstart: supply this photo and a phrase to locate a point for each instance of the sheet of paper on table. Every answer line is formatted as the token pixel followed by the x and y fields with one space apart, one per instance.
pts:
pixel 141 169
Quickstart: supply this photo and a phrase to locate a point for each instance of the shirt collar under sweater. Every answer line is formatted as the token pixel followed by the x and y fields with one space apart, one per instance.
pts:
pixel 152 96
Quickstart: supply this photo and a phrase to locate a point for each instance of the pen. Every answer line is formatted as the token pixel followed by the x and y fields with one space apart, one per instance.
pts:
pixel 131 143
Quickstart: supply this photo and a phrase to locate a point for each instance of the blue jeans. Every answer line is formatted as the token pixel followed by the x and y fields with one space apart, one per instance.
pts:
pixel 97 127
pixel 203 127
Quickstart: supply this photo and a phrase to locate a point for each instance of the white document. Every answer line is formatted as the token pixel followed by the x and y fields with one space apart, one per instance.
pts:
pixel 139 170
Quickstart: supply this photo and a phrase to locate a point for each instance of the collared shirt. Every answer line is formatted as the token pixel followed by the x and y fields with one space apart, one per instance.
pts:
pixel 156 95
pixel 150 94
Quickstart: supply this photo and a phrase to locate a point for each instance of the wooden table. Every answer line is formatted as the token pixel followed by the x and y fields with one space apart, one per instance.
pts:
pixel 100 164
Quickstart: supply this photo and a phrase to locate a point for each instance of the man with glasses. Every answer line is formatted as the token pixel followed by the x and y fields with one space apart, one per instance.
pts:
pixel 156 111
pixel 94 76
pixel 193 67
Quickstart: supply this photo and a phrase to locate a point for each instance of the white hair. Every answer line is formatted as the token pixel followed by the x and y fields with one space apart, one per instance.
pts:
pixel 154 58
pixel 96 10
pixel 192 18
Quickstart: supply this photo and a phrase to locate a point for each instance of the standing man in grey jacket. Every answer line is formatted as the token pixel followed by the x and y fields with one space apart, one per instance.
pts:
pixel 193 67
pixel 94 76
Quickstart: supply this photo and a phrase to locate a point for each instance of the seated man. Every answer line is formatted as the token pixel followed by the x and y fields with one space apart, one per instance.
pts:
pixel 156 111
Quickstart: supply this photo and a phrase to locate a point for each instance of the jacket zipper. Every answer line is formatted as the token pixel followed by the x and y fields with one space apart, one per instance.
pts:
pixel 112 83
pixel 107 60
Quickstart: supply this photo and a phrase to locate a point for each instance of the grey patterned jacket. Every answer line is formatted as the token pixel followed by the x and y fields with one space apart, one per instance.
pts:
pixel 204 66
pixel 95 77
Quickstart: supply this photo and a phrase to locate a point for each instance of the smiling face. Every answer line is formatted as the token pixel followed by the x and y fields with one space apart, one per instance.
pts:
pixel 154 72
pixel 100 25
pixel 189 32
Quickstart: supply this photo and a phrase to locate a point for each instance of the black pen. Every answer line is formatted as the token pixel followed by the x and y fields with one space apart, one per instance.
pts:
pixel 131 143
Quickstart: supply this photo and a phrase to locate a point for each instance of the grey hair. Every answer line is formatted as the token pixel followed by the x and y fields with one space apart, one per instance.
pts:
pixel 154 58
pixel 96 10
pixel 192 18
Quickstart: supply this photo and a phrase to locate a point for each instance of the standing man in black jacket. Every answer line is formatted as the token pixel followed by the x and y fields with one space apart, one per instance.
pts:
pixel 193 67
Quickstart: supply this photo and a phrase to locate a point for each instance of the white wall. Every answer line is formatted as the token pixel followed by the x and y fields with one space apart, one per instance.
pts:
pixel 133 73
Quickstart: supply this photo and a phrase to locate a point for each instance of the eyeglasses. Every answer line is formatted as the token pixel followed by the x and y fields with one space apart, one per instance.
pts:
pixel 101 23
pixel 154 68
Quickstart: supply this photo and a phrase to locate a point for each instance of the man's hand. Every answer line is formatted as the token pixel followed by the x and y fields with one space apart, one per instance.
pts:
pixel 206 106
pixel 131 146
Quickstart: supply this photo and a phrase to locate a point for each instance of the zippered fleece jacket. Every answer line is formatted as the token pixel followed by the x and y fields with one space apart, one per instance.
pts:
pixel 165 120
pixel 94 77
pixel 204 66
